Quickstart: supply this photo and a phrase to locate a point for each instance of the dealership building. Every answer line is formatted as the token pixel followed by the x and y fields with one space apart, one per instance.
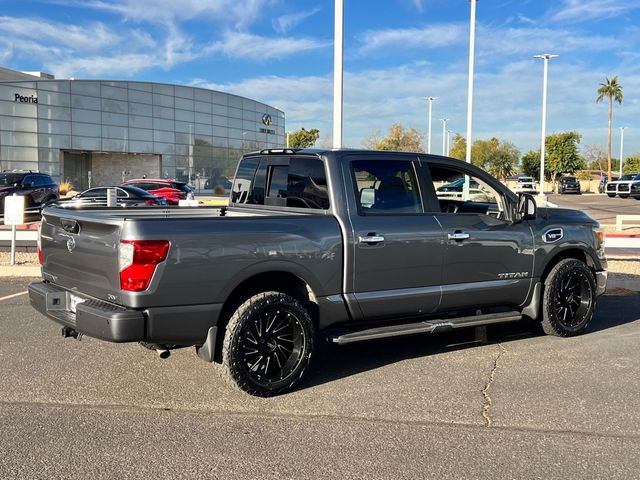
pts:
pixel 99 132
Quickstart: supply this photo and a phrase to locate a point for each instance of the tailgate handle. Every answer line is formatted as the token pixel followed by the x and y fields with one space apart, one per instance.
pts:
pixel 69 225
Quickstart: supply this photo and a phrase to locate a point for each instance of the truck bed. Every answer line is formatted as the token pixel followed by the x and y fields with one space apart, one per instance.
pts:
pixel 210 249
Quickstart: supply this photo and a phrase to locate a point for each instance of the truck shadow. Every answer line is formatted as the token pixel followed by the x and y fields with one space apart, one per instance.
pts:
pixel 334 362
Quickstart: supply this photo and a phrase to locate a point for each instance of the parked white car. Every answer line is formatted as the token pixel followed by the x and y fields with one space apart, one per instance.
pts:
pixel 526 185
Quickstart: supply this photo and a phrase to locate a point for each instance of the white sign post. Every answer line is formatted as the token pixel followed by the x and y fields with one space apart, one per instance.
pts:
pixel 13 215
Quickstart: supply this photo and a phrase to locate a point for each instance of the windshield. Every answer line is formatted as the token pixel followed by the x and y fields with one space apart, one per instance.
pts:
pixel 525 179
pixel 628 176
pixel 8 179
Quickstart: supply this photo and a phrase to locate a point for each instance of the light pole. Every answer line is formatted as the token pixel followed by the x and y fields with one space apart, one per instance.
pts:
pixel 338 50
pixel 448 142
pixel 430 100
pixel 621 148
pixel 444 135
pixel 472 41
pixel 545 57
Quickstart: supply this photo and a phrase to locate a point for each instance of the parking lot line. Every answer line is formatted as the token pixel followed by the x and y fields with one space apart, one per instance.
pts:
pixel 13 296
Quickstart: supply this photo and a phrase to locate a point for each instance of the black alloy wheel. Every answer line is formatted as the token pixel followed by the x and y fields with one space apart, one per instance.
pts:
pixel 569 298
pixel 268 344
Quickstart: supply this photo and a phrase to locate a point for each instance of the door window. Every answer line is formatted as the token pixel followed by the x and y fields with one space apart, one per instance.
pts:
pixel 386 187
pixel 459 192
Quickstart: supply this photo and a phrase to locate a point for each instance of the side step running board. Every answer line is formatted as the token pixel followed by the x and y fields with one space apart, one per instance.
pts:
pixel 430 326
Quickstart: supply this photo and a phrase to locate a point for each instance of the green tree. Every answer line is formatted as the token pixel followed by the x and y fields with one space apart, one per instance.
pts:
pixel 498 157
pixel 303 138
pixel 458 147
pixel 398 139
pixel 631 164
pixel 611 90
pixel 531 163
pixel 562 154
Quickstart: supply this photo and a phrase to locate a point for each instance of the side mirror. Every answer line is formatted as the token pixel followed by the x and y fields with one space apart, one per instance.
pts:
pixel 526 207
pixel 367 197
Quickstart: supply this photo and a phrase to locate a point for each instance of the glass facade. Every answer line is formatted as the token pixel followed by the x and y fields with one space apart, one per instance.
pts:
pixel 193 134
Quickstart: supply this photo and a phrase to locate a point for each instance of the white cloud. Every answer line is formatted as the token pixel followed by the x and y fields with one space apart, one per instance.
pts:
pixel 259 48
pixel 507 102
pixel 433 36
pixel 90 37
pixel 229 12
pixel 584 10
pixel 529 41
pixel 418 4
pixel 93 50
pixel 285 23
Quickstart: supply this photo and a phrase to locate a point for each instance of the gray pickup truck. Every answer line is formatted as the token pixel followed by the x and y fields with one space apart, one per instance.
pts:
pixel 341 245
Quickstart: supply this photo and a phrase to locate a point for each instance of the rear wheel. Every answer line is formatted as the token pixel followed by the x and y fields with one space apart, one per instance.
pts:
pixel 611 195
pixel 267 344
pixel 624 196
pixel 569 298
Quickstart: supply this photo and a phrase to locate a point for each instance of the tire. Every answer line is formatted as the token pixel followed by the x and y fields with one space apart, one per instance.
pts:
pixel 259 362
pixel 624 196
pixel 611 195
pixel 569 298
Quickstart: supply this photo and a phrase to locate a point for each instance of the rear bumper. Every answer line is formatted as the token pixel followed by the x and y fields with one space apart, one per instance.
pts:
pixel 180 325
pixel 93 317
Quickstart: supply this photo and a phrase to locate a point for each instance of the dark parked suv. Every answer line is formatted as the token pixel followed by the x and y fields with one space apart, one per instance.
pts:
pixel 569 185
pixel 37 188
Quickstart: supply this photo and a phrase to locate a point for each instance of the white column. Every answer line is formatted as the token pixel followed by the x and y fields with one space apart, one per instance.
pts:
pixel 444 135
pixel 430 100
pixel 448 141
pixel 472 41
pixel 545 57
pixel 621 148
pixel 338 50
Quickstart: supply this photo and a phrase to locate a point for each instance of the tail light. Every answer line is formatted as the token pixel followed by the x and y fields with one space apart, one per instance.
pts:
pixel 39 243
pixel 137 260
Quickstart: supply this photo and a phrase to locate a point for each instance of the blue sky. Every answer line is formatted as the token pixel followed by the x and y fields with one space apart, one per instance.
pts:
pixel 396 52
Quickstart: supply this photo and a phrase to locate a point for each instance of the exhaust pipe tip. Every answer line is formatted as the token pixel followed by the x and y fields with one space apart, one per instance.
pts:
pixel 163 353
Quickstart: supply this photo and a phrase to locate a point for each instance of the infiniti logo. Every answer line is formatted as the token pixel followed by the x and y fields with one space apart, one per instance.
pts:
pixel 266 119
pixel 71 244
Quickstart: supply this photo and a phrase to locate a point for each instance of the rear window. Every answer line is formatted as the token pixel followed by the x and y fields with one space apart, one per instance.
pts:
pixel 293 182
pixel 7 179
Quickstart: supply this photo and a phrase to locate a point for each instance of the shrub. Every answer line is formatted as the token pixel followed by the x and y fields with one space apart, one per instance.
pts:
pixel 65 187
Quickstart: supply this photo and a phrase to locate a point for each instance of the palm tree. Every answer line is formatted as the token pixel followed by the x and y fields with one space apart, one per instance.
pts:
pixel 612 90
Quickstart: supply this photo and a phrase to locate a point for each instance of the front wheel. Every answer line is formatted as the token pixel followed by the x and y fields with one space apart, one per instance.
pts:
pixel 611 195
pixel 624 196
pixel 267 344
pixel 569 298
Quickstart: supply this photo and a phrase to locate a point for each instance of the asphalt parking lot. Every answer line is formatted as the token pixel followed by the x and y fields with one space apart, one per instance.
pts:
pixel 599 207
pixel 521 405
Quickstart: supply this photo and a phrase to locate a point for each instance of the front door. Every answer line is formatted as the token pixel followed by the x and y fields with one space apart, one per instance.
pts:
pixel 397 253
pixel 488 260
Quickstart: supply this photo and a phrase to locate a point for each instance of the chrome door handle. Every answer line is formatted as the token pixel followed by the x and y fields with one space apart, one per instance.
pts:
pixel 458 236
pixel 371 239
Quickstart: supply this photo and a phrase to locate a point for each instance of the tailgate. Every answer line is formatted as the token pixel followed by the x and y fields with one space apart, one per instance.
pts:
pixel 80 251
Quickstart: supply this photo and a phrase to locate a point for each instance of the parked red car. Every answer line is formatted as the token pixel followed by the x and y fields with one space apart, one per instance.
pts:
pixel 172 190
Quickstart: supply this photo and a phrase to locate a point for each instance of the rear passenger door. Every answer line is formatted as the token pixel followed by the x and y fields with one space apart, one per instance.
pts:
pixel 488 259
pixel 396 253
